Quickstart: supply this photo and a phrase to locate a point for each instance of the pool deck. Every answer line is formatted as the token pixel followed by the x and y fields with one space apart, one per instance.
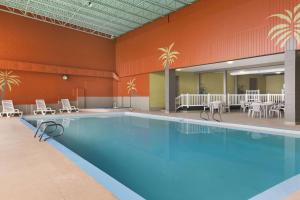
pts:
pixel 235 118
pixel 33 170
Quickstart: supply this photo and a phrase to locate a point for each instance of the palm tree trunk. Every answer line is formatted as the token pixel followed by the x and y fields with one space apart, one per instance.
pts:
pixel 130 101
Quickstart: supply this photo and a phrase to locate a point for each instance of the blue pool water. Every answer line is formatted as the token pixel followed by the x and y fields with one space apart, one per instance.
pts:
pixel 171 160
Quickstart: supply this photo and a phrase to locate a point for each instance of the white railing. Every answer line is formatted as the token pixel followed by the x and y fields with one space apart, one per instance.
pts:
pixel 198 100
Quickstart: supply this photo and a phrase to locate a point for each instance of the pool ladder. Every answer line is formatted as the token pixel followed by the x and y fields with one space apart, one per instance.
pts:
pixel 47 124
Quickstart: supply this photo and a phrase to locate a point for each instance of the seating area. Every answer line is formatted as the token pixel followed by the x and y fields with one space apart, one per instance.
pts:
pixel 252 102
pixel 8 109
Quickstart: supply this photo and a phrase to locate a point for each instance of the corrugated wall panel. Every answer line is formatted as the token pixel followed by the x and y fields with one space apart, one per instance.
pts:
pixel 205 32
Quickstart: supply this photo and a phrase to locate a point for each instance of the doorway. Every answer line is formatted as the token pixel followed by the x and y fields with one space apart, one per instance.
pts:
pixel 253 84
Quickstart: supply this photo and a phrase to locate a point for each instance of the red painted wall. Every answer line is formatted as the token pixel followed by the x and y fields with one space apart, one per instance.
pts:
pixel 31 41
pixel 51 87
pixel 24 39
pixel 142 85
pixel 204 32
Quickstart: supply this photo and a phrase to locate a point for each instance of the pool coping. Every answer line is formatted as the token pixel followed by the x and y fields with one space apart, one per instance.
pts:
pixel 276 192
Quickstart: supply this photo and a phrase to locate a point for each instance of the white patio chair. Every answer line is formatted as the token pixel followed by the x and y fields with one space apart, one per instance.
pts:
pixel 216 106
pixel 8 109
pixel 275 109
pixel 256 109
pixel 244 106
pixel 41 108
pixel 282 108
pixel 66 107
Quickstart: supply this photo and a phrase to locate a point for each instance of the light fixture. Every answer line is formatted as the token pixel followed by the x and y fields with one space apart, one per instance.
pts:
pixel 262 70
pixel 230 62
pixel 65 77
pixel 178 70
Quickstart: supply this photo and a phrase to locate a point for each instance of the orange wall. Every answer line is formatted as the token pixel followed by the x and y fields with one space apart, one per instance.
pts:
pixel 56 49
pixel 142 85
pixel 204 32
pixel 24 39
pixel 51 87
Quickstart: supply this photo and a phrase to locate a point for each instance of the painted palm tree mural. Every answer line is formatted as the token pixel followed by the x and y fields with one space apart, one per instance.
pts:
pixel 288 29
pixel 7 80
pixel 131 89
pixel 168 57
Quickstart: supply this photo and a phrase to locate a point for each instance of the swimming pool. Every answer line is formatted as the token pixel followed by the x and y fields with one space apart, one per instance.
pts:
pixel 171 159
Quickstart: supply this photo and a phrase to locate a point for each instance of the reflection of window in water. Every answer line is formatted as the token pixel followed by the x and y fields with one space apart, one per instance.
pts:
pixel 137 122
pixel 257 136
pixel 187 128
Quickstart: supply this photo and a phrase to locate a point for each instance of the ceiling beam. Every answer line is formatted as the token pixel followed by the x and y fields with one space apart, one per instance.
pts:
pixel 121 10
pixel 140 7
pixel 83 16
pixel 16 11
pixel 182 2
pixel 160 5
pixel 106 30
pixel 99 11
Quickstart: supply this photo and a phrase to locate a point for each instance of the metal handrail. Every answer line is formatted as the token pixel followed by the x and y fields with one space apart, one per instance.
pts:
pixel 49 124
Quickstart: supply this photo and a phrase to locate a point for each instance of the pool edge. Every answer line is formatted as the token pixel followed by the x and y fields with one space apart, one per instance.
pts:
pixel 115 187
pixel 277 192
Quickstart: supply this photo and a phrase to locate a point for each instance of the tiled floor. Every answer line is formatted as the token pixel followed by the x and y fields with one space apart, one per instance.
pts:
pixel 36 171
pixel 33 170
pixel 235 117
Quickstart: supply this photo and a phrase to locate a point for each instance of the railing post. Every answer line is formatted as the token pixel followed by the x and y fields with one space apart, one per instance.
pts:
pixel 208 98
pixel 187 100
pixel 268 97
pixel 228 99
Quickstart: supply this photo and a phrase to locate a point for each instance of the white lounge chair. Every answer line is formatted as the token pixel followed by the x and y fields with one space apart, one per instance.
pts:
pixel 66 106
pixel 8 109
pixel 41 108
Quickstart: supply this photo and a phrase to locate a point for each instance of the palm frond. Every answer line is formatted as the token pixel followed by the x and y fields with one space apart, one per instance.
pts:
pixel 131 87
pixel 296 8
pixel 279 32
pixel 283 17
pixel 277 27
pixel 297 17
pixel 283 36
pixel 8 79
pixel 168 55
pixel 290 14
pixel 283 32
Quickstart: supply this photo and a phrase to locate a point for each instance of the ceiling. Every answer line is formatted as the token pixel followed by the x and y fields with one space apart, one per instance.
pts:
pixel 106 18
pixel 272 61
